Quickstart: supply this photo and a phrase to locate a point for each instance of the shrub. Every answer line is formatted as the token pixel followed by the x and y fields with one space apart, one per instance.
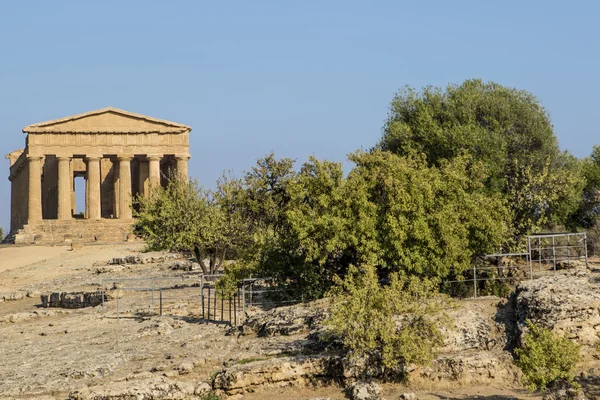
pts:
pixel 1 234
pixel 546 358
pixel 387 326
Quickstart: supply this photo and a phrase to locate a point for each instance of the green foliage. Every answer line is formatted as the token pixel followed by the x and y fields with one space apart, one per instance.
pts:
pixel 504 128
pixel 227 285
pixel 588 210
pixel 185 217
pixel 380 323
pixel 319 231
pixel 420 219
pixel 546 358
pixel 396 213
pixel 1 234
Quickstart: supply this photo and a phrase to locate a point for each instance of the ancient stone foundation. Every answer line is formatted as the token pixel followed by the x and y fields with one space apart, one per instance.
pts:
pixel 72 231
pixel 74 299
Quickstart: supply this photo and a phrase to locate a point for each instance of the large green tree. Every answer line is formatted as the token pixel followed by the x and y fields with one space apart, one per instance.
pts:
pixel 396 213
pixel 505 128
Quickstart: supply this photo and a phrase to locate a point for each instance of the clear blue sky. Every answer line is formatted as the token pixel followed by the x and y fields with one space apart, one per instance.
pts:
pixel 300 78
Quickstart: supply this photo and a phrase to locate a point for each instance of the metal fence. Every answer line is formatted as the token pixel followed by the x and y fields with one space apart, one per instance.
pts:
pixel 267 293
pixel 472 282
pixel 546 253
pixel 221 307
pixel 193 296
pixel 134 297
pixel 557 250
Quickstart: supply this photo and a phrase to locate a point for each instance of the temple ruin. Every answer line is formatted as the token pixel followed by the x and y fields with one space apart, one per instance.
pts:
pixel 119 154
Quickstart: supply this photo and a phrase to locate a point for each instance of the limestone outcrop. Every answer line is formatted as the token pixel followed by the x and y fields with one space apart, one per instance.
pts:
pixel 274 372
pixel 567 302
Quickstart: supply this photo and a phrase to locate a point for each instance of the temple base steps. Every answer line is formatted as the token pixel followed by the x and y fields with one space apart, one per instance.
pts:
pixel 73 230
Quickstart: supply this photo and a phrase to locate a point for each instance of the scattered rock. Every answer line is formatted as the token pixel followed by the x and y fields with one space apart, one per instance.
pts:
pixel 75 299
pixel 565 394
pixel 202 388
pixel 408 396
pixel 288 320
pixel 184 265
pixel 109 269
pixel 185 367
pixel 568 264
pixel 146 258
pixel 364 391
pixel 13 296
pixel 161 327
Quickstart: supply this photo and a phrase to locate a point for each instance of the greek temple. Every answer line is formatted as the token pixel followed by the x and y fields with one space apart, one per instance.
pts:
pixel 120 155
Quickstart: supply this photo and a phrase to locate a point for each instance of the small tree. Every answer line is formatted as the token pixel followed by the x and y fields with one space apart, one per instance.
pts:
pixel 546 358
pixel 185 217
pixel 389 326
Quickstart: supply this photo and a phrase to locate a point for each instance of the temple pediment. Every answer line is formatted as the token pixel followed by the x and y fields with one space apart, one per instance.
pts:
pixel 107 120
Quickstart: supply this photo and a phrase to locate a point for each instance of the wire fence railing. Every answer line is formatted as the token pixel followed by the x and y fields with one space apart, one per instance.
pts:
pixel 557 250
pixel 195 296
pixel 490 274
pixel 495 274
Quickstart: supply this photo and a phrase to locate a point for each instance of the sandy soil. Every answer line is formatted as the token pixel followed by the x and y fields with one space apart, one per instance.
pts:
pixel 48 353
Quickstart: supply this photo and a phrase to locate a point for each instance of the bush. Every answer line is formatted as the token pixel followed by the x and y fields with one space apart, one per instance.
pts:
pixel 546 358
pixel 1 234
pixel 387 326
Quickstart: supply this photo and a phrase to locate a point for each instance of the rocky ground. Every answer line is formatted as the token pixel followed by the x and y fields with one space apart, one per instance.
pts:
pixel 89 353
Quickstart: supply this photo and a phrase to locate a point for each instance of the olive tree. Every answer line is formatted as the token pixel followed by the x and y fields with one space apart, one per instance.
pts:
pixel 506 129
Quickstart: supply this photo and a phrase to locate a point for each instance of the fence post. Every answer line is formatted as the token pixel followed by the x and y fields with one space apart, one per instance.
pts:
pixel 152 292
pixel 160 295
pixel 585 249
pixel 208 303
pixel 569 250
pixel 118 298
pixel 554 252
pixel 243 300
pixel 202 293
pixel 235 299
pixel 529 257
pixel 104 291
pixel 540 252
pixel 474 280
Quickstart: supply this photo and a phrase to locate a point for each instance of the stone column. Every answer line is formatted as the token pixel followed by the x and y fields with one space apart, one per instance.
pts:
pixel 64 187
pixel 73 199
pixel 154 169
pixel 125 187
pixel 143 176
pixel 93 191
pixel 182 166
pixel 35 189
